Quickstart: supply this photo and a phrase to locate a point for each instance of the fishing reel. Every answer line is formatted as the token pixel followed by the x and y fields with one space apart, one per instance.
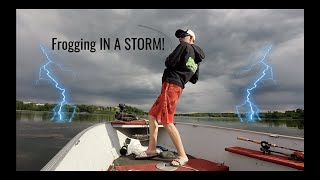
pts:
pixel 265 147
pixel 297 155
pixel 124 148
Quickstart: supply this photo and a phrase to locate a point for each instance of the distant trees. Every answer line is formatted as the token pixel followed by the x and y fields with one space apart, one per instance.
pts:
pixel 81 108
pixel 292 114
pixel 33 106
pixel 134 110
pixel 209 115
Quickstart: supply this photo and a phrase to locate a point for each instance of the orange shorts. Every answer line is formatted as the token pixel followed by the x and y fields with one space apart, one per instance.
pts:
pixel 165 105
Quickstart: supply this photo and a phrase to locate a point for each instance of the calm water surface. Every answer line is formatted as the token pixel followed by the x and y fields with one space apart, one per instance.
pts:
pixel 38 139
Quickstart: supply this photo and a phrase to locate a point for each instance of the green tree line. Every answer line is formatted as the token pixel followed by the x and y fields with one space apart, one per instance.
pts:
pixel 80 108
pixel 93 109
pixel 290 114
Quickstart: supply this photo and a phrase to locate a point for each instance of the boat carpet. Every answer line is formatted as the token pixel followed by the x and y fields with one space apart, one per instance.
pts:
pixel 129 163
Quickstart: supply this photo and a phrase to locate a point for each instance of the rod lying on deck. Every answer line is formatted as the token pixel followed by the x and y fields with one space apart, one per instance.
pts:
pixel 265 148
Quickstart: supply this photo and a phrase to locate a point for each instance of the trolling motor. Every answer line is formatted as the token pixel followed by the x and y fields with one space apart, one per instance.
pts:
pixel 265 148
pixel 123 116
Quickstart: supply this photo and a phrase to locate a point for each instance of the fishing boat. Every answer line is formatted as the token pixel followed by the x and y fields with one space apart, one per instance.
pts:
pixel 104 147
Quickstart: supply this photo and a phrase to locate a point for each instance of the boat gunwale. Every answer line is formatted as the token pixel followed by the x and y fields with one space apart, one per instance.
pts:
pixel 55 161
pixel 244 130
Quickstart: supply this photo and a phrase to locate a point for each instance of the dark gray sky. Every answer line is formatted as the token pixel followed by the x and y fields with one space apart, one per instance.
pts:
pixel 232 40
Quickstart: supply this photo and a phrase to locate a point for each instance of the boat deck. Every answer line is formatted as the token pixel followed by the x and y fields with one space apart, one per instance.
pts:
pixel 160 163
pixel 129 163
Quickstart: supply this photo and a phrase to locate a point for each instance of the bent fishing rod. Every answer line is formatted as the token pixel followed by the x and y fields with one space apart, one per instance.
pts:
pixel 264 143
pixel 170 43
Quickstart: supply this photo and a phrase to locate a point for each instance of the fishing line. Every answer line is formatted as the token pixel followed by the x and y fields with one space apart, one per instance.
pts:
pixel 170 43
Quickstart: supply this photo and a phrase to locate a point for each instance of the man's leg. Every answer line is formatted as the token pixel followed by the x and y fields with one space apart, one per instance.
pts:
pixel 176 139
pixel 153 131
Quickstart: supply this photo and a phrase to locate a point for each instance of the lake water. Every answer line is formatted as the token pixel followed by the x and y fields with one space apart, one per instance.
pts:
pixel 38 139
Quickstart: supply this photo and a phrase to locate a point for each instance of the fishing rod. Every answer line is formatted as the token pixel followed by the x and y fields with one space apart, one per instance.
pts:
pixel 170 43
pixel 265 148
pixel 267 144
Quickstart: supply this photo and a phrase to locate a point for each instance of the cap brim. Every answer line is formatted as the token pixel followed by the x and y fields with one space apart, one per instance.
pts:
pixel 178 32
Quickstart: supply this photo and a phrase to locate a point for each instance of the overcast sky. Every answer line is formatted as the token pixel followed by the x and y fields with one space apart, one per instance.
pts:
pixel 232 40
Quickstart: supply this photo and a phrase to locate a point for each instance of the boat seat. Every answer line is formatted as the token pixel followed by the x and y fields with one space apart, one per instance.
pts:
pixel 274 158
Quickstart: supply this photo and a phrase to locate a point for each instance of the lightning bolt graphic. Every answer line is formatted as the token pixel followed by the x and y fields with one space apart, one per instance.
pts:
pixel 59 114
pixel 253 111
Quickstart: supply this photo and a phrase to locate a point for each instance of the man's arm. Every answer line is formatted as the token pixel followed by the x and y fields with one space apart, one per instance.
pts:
pixel 174 57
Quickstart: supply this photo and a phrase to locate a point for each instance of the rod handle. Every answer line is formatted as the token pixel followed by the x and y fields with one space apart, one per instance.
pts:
pixel 245 139
pixel 242 138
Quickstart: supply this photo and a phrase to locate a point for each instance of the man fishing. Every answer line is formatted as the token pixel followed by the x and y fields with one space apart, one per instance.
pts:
pixel 182 66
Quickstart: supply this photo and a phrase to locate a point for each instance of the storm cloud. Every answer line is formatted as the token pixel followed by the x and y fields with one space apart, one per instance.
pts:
pixel 231 40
